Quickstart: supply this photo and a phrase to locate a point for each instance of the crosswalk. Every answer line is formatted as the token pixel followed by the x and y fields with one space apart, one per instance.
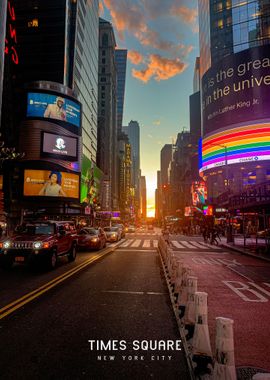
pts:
pixel 178 245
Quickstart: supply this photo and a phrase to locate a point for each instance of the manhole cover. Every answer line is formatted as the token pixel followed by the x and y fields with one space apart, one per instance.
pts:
pixel 246 373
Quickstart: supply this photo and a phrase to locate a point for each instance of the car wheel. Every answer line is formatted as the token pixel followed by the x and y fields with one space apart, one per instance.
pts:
pixel 52 260
pixel 72 253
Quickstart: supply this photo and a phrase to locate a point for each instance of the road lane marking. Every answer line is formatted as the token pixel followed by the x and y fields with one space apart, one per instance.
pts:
pixel 127 243
pixel 15 305
pixel 187 244
pixel 136 243
pixel 146 244
pixel 198 245
pixel 155 243
pixel 177 244
pixel 211 245
pixel 132 292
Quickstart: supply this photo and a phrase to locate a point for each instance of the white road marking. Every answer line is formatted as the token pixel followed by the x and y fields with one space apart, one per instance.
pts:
pixel 198 245
pixel 136 243
pixel 187 244
pixel 127 243
pixel 177 244
pixel 146 244
pixel 155 243
pixel 130 292
pixel 244 291
pixel 211 246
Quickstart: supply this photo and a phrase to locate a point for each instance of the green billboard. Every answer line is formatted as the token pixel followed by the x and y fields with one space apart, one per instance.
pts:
pixel 91 177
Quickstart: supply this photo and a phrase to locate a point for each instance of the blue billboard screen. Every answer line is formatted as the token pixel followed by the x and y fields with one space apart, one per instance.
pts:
pixel 53 107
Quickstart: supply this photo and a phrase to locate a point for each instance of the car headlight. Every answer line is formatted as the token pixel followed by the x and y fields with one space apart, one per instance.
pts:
pixel 37 244
pixel 94 240
pixel 6 244
pixel 113 235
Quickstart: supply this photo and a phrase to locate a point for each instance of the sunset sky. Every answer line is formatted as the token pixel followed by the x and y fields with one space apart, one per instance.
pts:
pixel 162 40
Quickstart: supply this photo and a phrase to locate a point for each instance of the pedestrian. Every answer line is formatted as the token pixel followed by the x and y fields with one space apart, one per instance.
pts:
pixel 166 235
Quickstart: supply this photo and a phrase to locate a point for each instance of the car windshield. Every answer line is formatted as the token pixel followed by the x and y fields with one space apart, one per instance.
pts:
pixel 37 229
pixel 108 229
pixel 91 231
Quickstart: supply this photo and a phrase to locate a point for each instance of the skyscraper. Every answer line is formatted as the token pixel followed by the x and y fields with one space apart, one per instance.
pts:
pixel 3 14
pixel 121 64
pixel 143 197
pixel 58 42
pixel 234 60
pixel 107 111
pixel 133 132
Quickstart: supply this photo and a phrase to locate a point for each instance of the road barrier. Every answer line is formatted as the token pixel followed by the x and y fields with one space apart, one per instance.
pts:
pixel 224 368
pixel 190 312
pixel 261 376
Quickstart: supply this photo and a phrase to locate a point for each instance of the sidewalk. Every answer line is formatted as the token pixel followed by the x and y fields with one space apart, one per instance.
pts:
pixel 250 249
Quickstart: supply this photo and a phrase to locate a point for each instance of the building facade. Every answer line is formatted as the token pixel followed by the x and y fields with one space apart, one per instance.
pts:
pixel 143 197
pixel 107 113
pixel 121 65
pixel 234 62
pixel 3 16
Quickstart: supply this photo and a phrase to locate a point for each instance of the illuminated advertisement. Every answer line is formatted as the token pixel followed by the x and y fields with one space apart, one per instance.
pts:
pixel 238 145
pixel 208 210
pixel 51 183
pixel 53 107
pixel 199 193
pixel 90 181
pixel 59 146
pixel 236 90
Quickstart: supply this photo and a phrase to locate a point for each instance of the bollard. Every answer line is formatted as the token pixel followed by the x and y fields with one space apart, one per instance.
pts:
pixel 182 295
pixel 224 368
pixel 190 314
pixel 201 348
pixel 178 279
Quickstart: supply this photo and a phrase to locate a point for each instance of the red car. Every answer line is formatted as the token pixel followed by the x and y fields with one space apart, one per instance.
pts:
pixel 91 238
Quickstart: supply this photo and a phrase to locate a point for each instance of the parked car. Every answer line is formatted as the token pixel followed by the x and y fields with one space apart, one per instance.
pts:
pixel 40 241
pixel 112 233
pixel 150 227
pixel 92 238
pixel 122 229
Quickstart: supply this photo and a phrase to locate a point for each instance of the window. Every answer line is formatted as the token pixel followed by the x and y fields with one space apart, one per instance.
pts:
pixel 105 39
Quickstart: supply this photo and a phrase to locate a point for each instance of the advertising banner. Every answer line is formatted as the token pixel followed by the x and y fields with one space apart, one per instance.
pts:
pixel 59 145
pixel 53 107
pixel 90 181
pixel 51 184
pixel 199 193
pixel 237 89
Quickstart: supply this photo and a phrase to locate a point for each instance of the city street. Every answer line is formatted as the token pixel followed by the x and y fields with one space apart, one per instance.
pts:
pixel 121 298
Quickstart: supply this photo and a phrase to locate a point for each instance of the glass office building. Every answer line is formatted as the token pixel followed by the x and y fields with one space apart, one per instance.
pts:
pixel 121 64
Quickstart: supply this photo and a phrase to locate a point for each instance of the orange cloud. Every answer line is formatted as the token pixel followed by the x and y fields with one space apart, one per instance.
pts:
pixel 188 15
pixel 101 8
pixel 135 57
pixel 159 68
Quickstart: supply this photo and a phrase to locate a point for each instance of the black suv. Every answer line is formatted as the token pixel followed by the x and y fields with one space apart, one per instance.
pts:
pixel 42 241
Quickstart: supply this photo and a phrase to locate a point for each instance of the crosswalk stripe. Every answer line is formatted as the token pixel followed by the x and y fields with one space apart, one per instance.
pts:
pixel 127 243
pixel 155 243
pixel 177 244
pixel 198 245
pixel 146 244
pixel 186 244
pixel 210 246
pixel 136 243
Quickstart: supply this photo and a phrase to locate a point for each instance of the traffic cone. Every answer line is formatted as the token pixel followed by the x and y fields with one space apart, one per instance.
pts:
pixel 224 368
pixel 201 347
pixel 190 314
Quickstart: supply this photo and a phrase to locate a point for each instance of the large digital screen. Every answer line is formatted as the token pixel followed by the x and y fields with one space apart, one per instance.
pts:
pixel 91 178
pixel 51 184
pixel 53 107
pixel 237 90
pixel 59 145
pixel 199 193
pixel 238 145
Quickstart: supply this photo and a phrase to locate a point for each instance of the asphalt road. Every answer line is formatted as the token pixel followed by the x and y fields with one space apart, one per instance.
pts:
pixel 112 302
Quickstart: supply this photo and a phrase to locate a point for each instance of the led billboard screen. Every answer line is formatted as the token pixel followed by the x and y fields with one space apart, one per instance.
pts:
pixel 236 90
pixel 53 107
pixel 51 184
pixel 59 146
pixel 90 181
pixel 238 145
pixel 199 193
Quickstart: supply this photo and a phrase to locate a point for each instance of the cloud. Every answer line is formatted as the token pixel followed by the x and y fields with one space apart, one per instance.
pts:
pixel 187 15
pixel 101 8
pixel 160 68
pixel 135 57
pixel 156 122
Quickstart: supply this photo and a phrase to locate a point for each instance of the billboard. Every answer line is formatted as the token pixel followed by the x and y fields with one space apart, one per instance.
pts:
pixel 60 146
pixel 199 193
pixel 236 90
pixel 51 184
pixel 90 181
pixel 238 145
pixel 53 107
